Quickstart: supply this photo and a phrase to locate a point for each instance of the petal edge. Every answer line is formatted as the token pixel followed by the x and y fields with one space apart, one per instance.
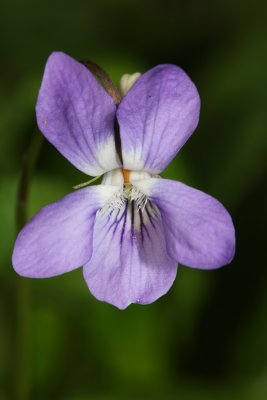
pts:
pixel 76 115
pixel 199 230
pixel 59 237
pixel 129 262
pixel 156 117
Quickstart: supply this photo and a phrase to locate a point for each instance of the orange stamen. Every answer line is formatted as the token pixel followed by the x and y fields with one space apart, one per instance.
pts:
pixel 126 175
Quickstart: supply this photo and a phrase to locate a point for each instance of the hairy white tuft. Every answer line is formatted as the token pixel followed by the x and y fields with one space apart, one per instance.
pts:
pixel 118 200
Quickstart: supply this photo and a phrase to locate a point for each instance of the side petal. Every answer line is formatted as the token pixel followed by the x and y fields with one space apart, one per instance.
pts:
pixel 130 263
pixel 76 115
pixel 199 231
pixel 156 117
pixel 59 238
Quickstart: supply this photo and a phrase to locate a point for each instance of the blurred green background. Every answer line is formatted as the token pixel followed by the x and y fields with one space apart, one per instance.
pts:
pixel 207 338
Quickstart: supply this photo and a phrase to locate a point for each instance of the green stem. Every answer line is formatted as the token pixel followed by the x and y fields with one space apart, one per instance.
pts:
pixel 28 164
pixel 23 356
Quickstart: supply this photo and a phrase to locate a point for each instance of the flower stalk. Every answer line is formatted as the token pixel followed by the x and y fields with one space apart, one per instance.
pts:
pixel 23 355
pixel 28 165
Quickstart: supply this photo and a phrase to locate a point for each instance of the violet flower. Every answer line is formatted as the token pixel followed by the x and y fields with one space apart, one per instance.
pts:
pixel 130 231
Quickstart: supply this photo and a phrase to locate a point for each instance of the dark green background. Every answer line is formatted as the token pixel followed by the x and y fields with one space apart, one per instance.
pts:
pixel 206 339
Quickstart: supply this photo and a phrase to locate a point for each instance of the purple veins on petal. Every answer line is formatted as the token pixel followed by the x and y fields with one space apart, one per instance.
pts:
pixel 124 220
pixel 135 266
pixel 198 229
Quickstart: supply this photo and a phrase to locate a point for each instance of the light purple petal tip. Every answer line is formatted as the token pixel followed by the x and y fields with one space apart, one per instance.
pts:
pixel 156 117
pixel 59 238
pixel 199 230
pixel 129 262
pixel 76 115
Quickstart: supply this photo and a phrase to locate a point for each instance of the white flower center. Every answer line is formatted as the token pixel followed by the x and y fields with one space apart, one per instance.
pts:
pixel 129 208
pixel 127 191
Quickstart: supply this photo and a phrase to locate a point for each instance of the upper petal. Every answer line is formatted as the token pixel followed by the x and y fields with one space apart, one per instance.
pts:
pixel 156 117
pixel 59 238
pixel 199 231
pixel 76 115
pixel 130 263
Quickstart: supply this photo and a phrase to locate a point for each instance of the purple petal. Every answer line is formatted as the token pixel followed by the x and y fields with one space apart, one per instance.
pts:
pixel 76 115
pixel 129 262
pixel 156 117
pixel 199 230
pixel 59 238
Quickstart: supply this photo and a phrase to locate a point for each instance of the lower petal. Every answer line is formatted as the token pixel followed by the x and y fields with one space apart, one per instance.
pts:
pixel 59 238
pixel 199 230
pixel 130 263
